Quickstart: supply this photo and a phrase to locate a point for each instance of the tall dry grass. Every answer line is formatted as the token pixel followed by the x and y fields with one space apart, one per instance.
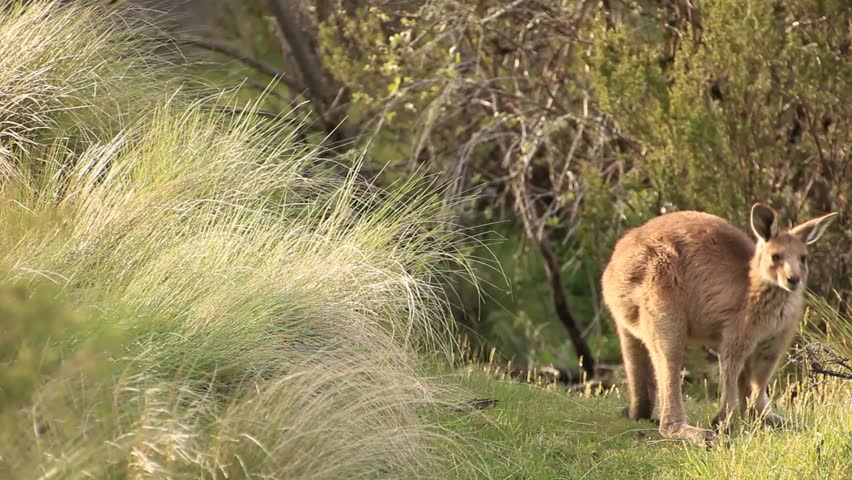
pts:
pixel 196 293
pixel 79 72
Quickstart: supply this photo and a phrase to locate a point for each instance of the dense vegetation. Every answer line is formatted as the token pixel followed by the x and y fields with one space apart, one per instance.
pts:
pixel 573 121
pixel 199 280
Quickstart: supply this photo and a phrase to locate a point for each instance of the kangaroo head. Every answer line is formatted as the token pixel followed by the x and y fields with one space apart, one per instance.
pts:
pixel 781 257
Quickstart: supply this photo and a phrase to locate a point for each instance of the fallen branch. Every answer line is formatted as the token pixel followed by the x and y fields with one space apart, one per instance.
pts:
pixel 832 373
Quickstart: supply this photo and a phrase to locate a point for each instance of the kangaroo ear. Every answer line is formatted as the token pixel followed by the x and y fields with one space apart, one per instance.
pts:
pixel 810 231
pixel 764 222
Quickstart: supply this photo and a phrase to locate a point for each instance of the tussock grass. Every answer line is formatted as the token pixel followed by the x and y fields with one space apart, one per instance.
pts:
pixel 80 71
pixel 221 301
pixel 817 443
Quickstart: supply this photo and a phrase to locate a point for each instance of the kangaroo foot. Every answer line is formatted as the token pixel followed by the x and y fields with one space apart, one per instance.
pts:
pixel 638 414
pixel 698 436
pixel 773 420
pixel 722 421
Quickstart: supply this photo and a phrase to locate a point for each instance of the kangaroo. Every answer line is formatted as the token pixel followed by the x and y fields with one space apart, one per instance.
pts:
pixel 693 278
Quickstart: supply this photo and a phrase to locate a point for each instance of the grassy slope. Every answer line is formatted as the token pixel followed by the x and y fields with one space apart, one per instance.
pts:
pixel 190 293
pixel 546 433
pixel 264 315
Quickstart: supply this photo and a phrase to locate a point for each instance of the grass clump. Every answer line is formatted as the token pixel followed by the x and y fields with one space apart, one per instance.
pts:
pixel 80 72
pixel 221 302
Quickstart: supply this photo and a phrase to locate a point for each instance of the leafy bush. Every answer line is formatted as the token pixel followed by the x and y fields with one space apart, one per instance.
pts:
pixel 747 102
pixel 582 120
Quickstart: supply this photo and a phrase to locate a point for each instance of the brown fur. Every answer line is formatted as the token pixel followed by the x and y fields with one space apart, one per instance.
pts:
pixel 693 278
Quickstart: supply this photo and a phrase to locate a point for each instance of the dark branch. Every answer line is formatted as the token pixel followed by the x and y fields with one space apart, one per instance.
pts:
pixel 584 353
pixel 288 23
pixel 831 373
pixel 247 60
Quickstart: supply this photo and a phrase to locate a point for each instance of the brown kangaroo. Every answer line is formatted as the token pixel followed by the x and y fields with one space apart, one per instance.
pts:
pixel 693 278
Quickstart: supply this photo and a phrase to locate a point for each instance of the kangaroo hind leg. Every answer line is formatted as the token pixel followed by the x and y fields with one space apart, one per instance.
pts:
pixel 641 383
pixel 667 347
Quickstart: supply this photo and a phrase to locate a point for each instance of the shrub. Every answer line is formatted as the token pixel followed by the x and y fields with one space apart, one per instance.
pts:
pixel 746 102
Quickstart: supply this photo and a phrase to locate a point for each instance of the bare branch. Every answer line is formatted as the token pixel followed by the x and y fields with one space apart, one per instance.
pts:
pixel 247 60
pixel 329 97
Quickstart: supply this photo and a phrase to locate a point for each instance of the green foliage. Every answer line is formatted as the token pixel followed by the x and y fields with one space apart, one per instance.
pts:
pixel 586 121
pixel 516 315
pixel 815 445
pixel 30 349
pixel 758 109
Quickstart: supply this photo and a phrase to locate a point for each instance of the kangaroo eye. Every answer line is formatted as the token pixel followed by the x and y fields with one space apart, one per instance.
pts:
pixel 776 257
pixel 803 258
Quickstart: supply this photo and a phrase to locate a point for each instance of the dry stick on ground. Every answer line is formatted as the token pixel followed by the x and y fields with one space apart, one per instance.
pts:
pixel 820 359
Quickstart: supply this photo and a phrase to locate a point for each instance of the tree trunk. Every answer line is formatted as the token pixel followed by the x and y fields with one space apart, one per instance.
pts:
pixel 554 274
pixel 329 96
pixel 551 265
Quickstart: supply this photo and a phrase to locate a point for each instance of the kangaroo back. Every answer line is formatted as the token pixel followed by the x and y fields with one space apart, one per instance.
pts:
pixel 693 262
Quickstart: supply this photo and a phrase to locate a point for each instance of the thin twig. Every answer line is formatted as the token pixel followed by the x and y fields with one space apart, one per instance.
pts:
pixel 831 373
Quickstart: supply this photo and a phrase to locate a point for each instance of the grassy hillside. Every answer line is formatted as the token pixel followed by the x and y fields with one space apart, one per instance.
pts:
pixel 191 292
pixel 190 289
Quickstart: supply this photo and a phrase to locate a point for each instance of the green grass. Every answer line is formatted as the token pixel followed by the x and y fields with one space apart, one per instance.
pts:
pixel 190 293
pixel 549 433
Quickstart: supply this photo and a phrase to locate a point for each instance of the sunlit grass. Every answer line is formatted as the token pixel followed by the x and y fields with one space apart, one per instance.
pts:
pixel 817 443
pixel 199 293
pixel 546 432
pixel 80 72
pixel 189 293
